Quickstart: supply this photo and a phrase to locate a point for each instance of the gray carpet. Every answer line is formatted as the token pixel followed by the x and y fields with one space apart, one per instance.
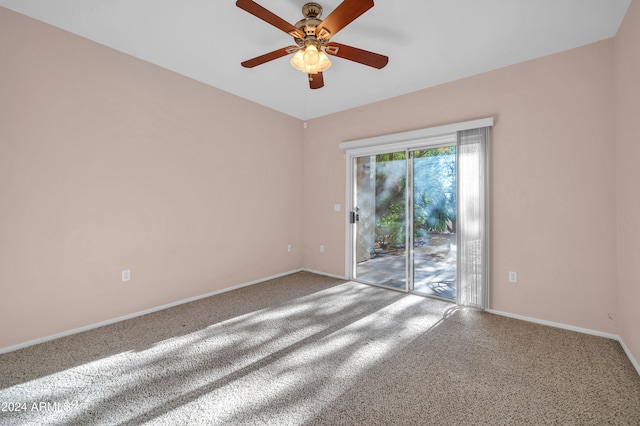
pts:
pixel 308 349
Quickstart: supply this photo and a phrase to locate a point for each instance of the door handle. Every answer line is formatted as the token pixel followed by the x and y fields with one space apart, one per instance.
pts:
pixel 354 217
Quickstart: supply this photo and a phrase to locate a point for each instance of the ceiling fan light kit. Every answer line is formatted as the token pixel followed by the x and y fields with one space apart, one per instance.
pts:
pixel 310 60
pixel 312 35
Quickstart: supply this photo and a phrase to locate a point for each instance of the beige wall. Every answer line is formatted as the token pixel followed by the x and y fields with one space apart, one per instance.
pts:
pixel 109 163
pixel 553 184
pixel 627 66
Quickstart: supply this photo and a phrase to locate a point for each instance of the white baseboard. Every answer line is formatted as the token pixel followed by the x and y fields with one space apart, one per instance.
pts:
pixel 630 355
pixel 555 324
pixel 138 314
pixel 572 328
pixel 340 277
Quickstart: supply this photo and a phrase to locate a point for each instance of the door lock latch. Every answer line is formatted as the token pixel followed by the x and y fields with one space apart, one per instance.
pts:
pixel 353 217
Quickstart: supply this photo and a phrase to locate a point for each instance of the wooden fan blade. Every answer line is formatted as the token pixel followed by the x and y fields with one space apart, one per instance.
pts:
pixel 354 54
pixel 316 81
pixel 269 17
pixel 259 60
pixel 342 16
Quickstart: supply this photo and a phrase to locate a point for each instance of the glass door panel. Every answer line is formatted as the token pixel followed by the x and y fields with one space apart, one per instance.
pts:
pixel 433 198
pixel 380 219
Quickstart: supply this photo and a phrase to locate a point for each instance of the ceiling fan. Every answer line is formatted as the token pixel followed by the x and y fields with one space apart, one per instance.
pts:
pixel 312 36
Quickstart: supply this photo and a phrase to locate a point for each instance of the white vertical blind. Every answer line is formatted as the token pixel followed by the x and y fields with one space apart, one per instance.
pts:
pixel 472 220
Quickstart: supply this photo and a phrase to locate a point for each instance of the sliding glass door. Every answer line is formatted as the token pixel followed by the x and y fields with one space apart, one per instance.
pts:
pixel 419 211
pixel 379 217
pixel 404 218
pixel 433 216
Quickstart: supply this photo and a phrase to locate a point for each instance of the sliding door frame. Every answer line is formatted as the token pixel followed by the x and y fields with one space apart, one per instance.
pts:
pixel 431 137
pixel 408 149
pixel 352 156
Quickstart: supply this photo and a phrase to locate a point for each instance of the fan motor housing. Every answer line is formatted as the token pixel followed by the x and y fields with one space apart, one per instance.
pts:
pixel 308 25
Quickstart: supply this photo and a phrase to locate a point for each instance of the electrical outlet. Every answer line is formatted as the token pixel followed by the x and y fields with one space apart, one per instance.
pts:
pixel 321 249
pixel 126 275
pixel 289 248
pixel 513 277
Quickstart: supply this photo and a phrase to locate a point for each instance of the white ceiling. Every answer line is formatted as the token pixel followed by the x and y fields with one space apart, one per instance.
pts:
pixel 429 42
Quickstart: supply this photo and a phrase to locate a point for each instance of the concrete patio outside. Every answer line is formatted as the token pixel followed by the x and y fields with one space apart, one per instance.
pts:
pixel 434 267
